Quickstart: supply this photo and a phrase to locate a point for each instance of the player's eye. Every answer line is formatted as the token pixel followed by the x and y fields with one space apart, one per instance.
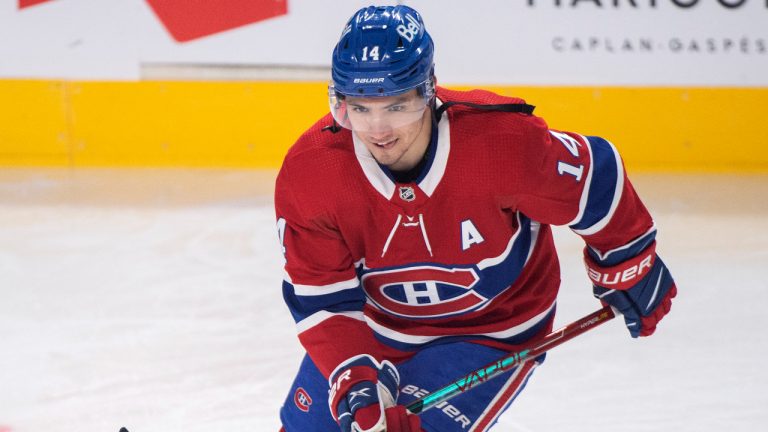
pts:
pixel 397 108
pixel 359 109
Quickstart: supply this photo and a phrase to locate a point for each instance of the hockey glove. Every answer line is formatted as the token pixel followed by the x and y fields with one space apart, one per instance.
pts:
pixel 363 396
pixel 641 287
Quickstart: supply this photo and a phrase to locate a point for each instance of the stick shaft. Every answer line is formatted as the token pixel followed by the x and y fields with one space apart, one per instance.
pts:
pixel 504 364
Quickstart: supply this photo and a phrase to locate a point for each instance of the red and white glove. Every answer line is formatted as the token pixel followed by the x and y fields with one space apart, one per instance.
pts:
pixel 363 397
pixel 640 287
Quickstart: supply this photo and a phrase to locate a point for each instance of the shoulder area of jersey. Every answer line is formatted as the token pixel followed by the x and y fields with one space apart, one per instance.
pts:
pixel 464 99
pixel 322 136
pixel 476 96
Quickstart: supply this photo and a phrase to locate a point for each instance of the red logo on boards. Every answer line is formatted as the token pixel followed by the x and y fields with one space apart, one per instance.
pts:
pixel 302 400
pixel 186 20
pixel 28 3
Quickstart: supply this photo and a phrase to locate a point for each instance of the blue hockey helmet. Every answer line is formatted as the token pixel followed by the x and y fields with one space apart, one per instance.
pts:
pixel 383 51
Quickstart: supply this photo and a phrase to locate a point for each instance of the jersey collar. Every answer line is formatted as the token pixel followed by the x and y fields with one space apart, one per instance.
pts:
pixel 381 180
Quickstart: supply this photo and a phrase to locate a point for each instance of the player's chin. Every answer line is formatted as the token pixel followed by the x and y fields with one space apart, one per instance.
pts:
pixel 383 154
pixel 386 159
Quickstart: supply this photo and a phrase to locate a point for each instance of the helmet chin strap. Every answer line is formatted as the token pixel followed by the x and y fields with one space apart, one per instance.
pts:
pixel 512 107
pixel 333 127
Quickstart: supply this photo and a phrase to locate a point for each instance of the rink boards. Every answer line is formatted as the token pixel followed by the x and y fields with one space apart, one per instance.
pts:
pixel 252 123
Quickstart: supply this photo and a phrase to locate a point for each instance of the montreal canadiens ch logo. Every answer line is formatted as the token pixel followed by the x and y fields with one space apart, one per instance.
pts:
pixel 302 400
pixel 424 291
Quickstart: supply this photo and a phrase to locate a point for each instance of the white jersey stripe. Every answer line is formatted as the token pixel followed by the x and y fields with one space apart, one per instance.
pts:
pixel 318 290
pixel 504 397
pixel 535 229
pixel 494 261
pixel 604 255
pixel 317 318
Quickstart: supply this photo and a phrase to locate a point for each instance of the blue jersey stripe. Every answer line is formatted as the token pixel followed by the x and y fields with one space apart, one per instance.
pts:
pixel 603 185
pixel 301 307
pixel 621 254
pixel 495 279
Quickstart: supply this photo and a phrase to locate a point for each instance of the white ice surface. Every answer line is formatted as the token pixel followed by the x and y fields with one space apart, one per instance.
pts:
pixel 151 300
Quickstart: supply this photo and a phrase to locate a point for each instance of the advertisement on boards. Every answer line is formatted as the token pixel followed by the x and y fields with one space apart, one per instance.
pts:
pixel 519 42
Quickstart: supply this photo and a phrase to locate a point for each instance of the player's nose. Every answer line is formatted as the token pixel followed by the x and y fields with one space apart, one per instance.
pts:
pixel 379 124
pixel 379 136
pixel 379 131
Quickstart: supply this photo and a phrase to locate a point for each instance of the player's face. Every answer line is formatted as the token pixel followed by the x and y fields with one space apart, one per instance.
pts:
pixel 395 129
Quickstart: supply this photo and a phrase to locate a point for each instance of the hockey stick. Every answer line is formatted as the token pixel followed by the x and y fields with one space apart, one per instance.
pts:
pixel 504 364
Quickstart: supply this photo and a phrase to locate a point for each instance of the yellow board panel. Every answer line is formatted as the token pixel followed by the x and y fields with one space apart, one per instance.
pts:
pixel 252 124
pixel 664 129
pixel 191 123
pixel 33 123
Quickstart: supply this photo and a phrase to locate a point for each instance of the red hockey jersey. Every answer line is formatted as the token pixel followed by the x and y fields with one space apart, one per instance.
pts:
pixel 465 252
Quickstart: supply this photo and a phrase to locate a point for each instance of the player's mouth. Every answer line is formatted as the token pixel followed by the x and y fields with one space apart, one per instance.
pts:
pixel 386 145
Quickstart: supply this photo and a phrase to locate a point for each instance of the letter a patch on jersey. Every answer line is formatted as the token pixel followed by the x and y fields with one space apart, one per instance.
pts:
pixel 470 235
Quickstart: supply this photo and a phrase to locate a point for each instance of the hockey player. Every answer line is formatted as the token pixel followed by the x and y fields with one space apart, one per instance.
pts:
pixel 415 223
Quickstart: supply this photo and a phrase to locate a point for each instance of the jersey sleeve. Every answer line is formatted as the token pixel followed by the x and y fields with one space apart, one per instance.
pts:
pixel 320 284
pixel 580 181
